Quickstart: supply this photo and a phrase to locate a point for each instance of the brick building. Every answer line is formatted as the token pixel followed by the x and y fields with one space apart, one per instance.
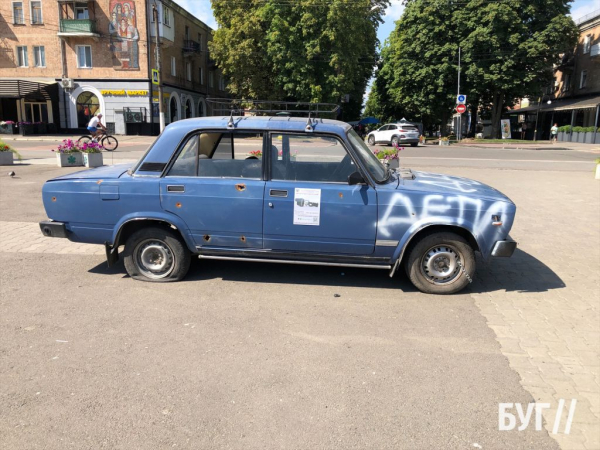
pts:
pixel 573 98
pixel 63 61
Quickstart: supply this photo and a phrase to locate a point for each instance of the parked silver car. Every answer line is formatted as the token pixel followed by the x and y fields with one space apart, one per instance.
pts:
pixel 395 134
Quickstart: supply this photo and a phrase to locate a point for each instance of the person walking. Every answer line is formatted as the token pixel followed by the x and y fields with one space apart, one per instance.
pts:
pixel 523 130
pixel 554 133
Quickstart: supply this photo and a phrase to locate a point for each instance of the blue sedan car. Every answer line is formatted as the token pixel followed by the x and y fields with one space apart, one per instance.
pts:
pixel 279 190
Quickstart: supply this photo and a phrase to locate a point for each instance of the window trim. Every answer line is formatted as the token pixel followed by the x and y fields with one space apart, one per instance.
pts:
pixel 166 18
pixel 41 22
pixel 79 66
pixel 581 79
pixel 24 54
pixel 35 55
pixel 81 7
pixel 14 22
pixel 587 44
pixel 188 71
pixel 173 67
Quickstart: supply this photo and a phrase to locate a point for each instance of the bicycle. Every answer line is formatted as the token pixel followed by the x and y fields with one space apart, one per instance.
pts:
pixel 107 141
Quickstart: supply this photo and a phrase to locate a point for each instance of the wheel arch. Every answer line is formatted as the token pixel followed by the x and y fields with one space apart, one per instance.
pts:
pixel 411 238
pixel 127 226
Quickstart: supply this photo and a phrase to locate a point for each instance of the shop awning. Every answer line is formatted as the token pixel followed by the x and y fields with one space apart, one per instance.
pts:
pixel 562 105
pixel 37 90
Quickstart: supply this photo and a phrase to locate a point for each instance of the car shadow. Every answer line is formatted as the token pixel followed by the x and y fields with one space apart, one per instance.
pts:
pixel 521 273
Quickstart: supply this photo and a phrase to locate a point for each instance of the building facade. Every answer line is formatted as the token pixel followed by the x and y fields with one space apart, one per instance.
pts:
pixel 573 98
pixel 61 62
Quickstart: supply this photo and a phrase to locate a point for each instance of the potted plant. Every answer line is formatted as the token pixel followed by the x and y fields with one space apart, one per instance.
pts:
pixel 589 135
pixel 68 154
pixel 7 127
pixel 7 154
pixel 445 141
pixel 26 128
pixel 92 154
pixel 389 157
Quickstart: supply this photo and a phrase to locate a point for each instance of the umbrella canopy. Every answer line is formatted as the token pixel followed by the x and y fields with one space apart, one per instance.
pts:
pixel 368 120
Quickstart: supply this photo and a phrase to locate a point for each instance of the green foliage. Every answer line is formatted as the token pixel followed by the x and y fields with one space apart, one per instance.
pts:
pixel 508 49
pixel 301 50
pixel 4 147
pixel 565 129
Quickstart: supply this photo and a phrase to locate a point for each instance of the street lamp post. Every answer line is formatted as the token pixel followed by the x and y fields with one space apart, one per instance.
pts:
pixel 537 115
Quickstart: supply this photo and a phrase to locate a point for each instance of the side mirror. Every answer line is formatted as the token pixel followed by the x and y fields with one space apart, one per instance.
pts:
pixel 355 178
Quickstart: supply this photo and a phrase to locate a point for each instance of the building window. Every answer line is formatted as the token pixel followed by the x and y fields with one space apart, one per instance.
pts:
pixel 166 18
pixel 200 41
pixel 82 13
pixel 211 79
pixel 595 51
pixel 566 82
pixel 39 56
pixel 22 60
pixel 201 75
pixel 221 83
pixel 587 43
pixel 583 79
pixel 187 33
pixel 173 66
pixel 18 17
pixel 84 56
pixel 188 71
pixel 36 13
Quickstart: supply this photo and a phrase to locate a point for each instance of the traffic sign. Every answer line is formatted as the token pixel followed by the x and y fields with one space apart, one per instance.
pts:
pixel 461 99
pixel 461 108
pixel 155 79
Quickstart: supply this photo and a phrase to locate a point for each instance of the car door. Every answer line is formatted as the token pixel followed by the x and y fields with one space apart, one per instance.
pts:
pixel 216 186
pixel 380 135
pixel 309 206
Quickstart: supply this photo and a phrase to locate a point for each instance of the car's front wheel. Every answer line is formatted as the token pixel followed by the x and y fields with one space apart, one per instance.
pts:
pixel 371 140
pixel 156 254
pixel 395 141
pixel 441 263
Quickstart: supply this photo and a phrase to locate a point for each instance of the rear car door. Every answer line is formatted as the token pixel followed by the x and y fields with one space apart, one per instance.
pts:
pixel 216 186
pixel 309 206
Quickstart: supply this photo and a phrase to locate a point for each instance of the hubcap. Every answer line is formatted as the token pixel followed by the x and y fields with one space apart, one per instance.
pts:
pixel 154 259
pixel 441 264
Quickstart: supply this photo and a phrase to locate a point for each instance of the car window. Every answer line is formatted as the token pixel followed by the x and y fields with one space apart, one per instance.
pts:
pixel 220 155
pixel 384 128
pixel 310 158
pixel 374 165
pixel 408 127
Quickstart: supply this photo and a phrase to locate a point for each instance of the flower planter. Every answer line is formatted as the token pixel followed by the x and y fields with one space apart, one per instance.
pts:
pixel 41 128
pixel 26 130
pixel 562 136
pixel 444 142
pixel 6 158
pixel 69 159
pixel 92 160
pixel 589 137
pixel 393 163
pixel 8 128
pixel 579 137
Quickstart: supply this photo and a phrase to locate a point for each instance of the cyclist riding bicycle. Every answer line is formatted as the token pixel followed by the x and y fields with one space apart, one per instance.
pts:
pixel 94 124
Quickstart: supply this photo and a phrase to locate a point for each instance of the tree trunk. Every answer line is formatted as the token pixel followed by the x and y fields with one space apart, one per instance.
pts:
pixel 474 115
pixel 497 108
pixel 444 128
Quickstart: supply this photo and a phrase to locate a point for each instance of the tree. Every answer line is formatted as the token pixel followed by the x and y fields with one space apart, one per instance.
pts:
pixel 508 49
pixel 301 50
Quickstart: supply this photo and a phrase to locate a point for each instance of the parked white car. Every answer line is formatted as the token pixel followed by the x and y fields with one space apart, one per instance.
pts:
pixel 395 134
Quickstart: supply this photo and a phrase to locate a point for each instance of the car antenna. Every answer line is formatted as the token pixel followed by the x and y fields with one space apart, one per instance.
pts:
pixel 230 124
pixel 309 125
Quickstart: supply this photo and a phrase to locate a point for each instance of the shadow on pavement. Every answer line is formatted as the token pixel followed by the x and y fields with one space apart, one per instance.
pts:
pixel 521 273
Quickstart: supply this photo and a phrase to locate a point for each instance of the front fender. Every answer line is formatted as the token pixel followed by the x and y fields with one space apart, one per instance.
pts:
pixel 423 224
pixel 166 217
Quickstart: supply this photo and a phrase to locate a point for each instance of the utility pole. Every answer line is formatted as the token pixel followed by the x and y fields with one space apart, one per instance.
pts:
pixel 161 112
pixel 457 94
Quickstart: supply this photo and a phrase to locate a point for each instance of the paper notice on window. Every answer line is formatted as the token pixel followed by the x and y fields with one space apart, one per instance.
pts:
pixel 307 206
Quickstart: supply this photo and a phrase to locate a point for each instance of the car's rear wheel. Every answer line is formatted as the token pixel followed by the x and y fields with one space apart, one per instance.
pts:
pixel 395 141
pixel 441 263
pixel 156 254
pixel 371 140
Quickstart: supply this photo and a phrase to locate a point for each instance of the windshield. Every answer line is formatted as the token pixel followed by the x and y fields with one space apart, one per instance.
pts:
pixel 375 167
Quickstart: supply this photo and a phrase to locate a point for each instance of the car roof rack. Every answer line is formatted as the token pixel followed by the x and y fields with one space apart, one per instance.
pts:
pixel 243 107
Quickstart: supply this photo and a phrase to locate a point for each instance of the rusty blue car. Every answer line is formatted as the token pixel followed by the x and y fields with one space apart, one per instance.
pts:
pixel 279 190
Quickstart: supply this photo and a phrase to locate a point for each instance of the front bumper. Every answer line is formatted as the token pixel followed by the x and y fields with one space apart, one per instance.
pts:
pixel 504 249
pixel 53 229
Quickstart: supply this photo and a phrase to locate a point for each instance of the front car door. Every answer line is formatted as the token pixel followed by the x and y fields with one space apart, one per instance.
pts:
pixel 309 206
pixel 380 135
pixel 216 186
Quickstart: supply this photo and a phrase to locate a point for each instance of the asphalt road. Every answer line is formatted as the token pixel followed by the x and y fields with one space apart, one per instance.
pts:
pixel 242 356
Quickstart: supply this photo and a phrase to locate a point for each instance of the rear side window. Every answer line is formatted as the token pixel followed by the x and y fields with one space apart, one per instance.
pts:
pixel 220 155
pixel 407 127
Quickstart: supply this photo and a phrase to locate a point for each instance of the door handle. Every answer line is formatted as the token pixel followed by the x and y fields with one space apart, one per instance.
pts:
pixel 278 193
pixel 175 188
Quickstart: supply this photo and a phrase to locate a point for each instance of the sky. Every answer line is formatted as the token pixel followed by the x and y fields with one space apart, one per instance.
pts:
pixel 202 10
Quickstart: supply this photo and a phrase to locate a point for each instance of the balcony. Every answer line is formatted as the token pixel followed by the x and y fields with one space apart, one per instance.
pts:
pixel 190 47
pixel 78 27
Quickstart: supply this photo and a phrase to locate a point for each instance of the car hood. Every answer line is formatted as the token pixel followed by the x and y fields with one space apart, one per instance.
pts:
pixel 428 182
pixel 105 173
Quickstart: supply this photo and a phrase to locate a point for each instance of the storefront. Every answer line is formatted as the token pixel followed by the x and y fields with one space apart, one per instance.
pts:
pixel 29 101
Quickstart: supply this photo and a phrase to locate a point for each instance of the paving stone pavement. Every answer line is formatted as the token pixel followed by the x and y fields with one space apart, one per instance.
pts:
pixel 543 303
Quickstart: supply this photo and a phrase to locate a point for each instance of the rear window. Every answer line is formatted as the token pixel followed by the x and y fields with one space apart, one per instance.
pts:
pixel 407 127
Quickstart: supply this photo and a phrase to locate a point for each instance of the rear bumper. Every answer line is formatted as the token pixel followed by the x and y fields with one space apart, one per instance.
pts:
pixel 408 141
pixel 504 249
pixel 54 229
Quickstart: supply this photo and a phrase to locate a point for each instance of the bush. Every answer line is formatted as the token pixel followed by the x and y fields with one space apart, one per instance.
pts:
pixel 565 128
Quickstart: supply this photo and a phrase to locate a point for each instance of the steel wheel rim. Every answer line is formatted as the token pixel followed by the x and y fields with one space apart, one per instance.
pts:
pixel 371 140
pixel 154 259
pixel 441 264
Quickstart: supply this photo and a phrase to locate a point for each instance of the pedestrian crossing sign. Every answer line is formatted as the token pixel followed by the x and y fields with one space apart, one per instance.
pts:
pixel 155 79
